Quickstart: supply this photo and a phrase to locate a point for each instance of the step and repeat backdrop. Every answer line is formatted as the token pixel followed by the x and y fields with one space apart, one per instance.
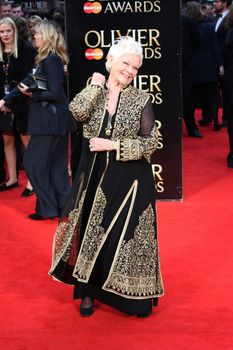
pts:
pixel 92 26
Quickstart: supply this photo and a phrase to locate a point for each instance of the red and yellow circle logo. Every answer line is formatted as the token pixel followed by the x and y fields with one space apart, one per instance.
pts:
pixel 92 7
pixel 94 54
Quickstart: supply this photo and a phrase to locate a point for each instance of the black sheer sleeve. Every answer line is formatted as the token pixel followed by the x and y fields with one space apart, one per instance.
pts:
pixel 147 120
pixel 146 142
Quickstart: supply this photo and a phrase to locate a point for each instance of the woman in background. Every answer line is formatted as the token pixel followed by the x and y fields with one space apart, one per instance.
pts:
pixel 16 61
pixel 50 121
pixel 31 23
pixel 23 35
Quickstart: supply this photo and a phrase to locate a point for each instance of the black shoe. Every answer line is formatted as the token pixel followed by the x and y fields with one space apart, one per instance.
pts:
pixel 195 133
pixel 4 187
pixel 223 124
pixel 217 127
pixel 20 166
pixel 2 175
pixel 230 160
pixel 36 216
pixel 145 314
pixel 86 311
pixel 204 122
pixel 27 193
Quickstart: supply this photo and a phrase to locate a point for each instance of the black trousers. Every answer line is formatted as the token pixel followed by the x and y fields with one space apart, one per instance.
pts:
pixel 2 160
pixel 230 129
pixel 46 165
pixel 208 93
pixel 225 99
pixel 188 107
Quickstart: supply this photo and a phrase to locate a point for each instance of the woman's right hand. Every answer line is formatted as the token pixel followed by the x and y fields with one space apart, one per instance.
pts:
pixel 98 79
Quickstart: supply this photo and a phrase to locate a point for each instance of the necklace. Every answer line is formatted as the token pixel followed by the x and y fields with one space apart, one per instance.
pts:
pixel 5 69
pixel 111 106
pixel 108 129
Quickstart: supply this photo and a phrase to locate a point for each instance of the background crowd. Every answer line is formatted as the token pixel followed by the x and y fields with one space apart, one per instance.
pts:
pixel 207 66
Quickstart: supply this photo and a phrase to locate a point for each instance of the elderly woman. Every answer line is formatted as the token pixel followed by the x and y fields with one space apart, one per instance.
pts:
pixel 106 243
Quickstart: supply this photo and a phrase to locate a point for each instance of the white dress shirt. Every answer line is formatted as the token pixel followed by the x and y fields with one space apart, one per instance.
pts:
pixel 220 19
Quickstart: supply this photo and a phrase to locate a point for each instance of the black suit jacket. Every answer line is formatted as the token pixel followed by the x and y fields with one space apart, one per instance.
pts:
pixel 190 44
pixel 207 59
pixel 229 64
pixel 49 113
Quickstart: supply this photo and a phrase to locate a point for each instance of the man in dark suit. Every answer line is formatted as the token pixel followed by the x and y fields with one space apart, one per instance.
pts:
pixel 190 44
pixel 221 8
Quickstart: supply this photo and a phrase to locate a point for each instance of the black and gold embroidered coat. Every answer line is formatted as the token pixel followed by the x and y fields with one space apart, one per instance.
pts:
pixel 107 237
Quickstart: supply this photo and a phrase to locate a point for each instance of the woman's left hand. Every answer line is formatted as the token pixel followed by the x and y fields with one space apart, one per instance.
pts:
pixel 5 109
pixel 98 144
pixel 23 89
pixel 2 104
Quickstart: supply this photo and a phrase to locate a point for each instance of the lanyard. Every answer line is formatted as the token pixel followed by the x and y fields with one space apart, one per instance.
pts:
pixel 6 69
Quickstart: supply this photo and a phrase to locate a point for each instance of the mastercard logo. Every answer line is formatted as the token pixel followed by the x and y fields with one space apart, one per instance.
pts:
pixel 92 7
pixel 94 54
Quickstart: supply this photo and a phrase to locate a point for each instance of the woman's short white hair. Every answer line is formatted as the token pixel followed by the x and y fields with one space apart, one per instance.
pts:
pixel 123 45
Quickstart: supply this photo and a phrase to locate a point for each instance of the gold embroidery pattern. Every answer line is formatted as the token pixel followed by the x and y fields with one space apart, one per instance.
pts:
pixel 64 245
pixel 127 124
pixel 136 149
pixel 129 150
pixel 84 102
pixel 132 146
pixel 92 241
pixel 91 128
pixel 135 273
pixel 90 102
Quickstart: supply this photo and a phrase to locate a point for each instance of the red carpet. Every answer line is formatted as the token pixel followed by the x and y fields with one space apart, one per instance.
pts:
pixel 196 244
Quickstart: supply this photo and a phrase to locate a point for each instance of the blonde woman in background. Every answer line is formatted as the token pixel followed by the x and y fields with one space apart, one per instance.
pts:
pixel 31 23
pixel 16 61
pixel 50 122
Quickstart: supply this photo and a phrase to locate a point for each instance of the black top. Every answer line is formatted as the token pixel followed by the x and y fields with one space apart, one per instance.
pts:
pixel 16 70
